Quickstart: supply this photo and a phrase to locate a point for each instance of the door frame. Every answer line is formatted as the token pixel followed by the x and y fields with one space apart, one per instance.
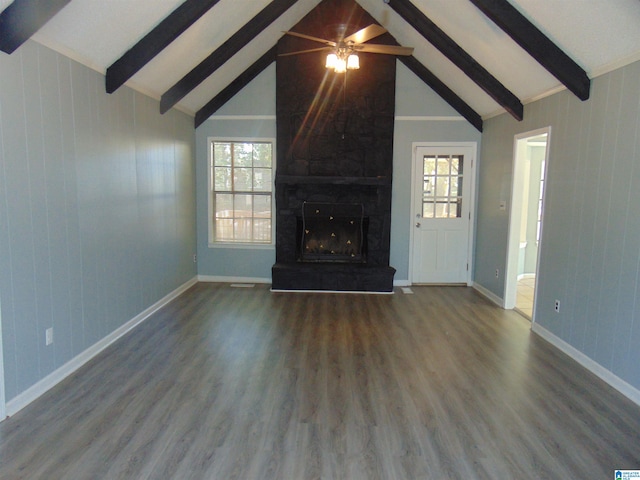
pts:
pixel 472 199
pixel 515 217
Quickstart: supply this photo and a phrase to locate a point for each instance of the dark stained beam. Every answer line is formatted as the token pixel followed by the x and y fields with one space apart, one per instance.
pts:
pixel 234 87
pixel 441 89
pixel 155 41
pixel 223 53
pixel 23 18
pixel 537 44
pixel 476 72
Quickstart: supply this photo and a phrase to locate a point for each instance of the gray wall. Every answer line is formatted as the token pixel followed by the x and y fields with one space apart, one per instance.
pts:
pixel 414 102
pixel 250 114
pixel 97 209
pixel 590 248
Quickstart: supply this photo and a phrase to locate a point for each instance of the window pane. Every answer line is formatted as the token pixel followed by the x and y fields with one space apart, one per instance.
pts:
pixel 262 206
pixel 224 230
pixel 262 180
pixel 427 210
pixel 455 183
pixel 262 155
pixel 442 187
pixel 243 205
pixel 222 179
pixel 224 205
pixel 453 209
pixel 428 186
pixel 429 165
pixel 442 210
pixel 242 229
pixel 242 179
pixel 222 154
pixel 242 154
pixel 262 230
pixel 443 166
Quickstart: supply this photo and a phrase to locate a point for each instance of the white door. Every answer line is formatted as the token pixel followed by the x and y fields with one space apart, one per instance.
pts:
pixel 441 214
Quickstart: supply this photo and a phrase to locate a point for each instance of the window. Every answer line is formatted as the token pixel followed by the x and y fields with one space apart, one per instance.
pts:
pixel 442 186
pixel 241 189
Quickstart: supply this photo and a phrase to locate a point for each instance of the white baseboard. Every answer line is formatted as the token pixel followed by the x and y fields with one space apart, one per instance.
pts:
pixel 32 393
pixel 490 295
pixel 223 279
pixel 616 382
pixel 401 283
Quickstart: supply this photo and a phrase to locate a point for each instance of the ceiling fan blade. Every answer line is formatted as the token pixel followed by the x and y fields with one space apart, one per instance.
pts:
pixel 309 37
pixel 386 49
pixel 366 34
pixel 327 49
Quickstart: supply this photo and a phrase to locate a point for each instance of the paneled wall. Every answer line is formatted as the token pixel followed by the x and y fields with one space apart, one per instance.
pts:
pixel 97 209
pixel 590 248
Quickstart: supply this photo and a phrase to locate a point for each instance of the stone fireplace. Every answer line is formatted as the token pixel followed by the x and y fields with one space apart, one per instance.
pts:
pixel 334 155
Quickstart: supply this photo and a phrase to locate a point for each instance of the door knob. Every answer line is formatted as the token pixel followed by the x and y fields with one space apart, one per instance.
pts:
pixel 417 224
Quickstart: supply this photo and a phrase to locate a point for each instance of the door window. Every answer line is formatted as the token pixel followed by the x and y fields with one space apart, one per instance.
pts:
pixel 442 186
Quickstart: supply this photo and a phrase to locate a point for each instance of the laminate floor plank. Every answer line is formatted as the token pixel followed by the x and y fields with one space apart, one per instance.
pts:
pixel 239 383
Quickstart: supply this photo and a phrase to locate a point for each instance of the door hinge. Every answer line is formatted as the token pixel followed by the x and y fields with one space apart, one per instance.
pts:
pixel 467 267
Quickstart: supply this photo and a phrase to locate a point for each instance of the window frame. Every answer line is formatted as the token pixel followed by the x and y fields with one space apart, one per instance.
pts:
pixel 212 242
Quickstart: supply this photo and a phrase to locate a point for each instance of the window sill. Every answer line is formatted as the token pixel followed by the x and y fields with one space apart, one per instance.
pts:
pixel 244 246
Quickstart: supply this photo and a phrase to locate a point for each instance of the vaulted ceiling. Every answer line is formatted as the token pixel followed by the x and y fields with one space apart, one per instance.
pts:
pixel 477 54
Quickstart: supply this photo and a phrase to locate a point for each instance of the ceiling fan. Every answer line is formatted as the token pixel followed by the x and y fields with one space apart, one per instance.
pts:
pixel 343 54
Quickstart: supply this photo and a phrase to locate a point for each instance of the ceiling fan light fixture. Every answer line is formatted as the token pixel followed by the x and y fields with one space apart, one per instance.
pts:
pixel 341 65
pixel 332 59
pixel 353 62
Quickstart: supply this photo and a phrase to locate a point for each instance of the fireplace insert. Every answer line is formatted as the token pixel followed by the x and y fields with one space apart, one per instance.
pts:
pixel 332 232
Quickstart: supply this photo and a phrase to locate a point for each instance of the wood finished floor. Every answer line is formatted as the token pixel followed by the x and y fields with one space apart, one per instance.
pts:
pixel 237 383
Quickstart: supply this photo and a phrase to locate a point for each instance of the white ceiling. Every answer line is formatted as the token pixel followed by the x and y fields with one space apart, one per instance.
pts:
pixel 599 35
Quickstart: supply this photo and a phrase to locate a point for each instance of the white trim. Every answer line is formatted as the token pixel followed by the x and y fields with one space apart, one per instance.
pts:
pixel 515 214
pixel 32 393
pixel 210 191
pixel 434 118
pixel 224 279
pixel 401 283
pixel 242 117
pixel 488 294
pixel 594 367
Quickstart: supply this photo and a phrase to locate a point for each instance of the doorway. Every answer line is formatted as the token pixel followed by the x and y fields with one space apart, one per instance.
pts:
pixel 442 213
pixel 531 150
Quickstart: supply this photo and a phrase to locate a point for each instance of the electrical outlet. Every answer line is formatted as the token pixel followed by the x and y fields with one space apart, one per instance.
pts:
pixel 48 336
pixel 497 273
pixel 195 258
pixel 557 306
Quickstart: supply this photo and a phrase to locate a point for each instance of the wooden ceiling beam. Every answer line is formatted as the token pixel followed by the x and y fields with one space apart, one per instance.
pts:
pixel 476 72
pixel 537 44
pixel 424 74
pixel 223 53
pixel 23 18
pixel 155 41
pixel 234 87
